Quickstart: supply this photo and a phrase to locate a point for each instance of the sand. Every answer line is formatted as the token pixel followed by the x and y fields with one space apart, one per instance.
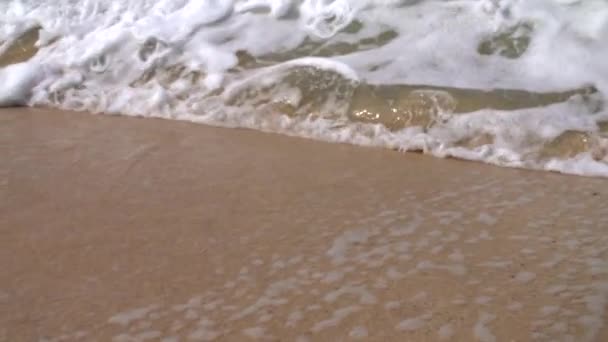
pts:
pixel 126 229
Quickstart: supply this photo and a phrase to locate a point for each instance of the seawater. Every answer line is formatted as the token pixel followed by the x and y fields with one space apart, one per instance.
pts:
pixel 509 82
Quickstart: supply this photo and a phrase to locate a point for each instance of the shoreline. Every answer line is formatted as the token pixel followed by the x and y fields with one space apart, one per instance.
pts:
pixel 118 227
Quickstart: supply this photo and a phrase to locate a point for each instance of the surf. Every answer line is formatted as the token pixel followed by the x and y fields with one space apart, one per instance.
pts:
pixel 511 83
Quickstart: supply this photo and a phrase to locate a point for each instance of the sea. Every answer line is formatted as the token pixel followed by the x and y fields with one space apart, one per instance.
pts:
pixel 514 83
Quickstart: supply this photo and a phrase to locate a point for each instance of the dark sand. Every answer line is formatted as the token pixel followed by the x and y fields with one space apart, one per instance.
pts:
pixel 124 229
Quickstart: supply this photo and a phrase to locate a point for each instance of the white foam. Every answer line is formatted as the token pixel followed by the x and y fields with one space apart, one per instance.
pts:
pixel 358 332
pixel 514 306
pixel 446 332
pixel 549 310
pixel 483 300
pixel 293 318
pixel 524 277
pixel 254 332
pixel 455 269
pixel 394 274
pixel 333 276
pixel 481 331
pixel 392 305
pixel 18 81
pixel 414 323
pixel 125 318
pixel 95 55
pixel 365 296
pixel 496 264
pixel 456 256
pixel 336 318
pixel 341 245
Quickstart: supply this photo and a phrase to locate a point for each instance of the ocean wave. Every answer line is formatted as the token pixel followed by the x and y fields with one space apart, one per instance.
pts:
pixel 512 83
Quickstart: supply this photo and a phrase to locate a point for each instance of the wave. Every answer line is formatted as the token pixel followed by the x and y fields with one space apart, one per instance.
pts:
pixel 509 82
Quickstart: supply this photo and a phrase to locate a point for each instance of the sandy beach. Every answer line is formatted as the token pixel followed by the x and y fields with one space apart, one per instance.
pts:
pixel 126 229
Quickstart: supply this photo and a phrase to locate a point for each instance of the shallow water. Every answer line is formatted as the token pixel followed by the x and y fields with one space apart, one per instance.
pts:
pixel 118 229
pixel 513 83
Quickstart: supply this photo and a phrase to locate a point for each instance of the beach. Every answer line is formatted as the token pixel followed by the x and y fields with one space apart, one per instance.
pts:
pixel 126 229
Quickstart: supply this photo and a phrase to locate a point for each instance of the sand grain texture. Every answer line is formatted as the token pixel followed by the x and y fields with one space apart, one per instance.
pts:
pixel 126 229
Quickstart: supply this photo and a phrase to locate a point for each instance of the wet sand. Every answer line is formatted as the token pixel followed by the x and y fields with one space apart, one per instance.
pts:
pixel 126 229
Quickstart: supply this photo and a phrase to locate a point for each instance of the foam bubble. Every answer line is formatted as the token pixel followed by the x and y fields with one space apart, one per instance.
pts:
pixel 366 72
pixel 414 323
pixel 358 332
pixel 481 330
pixel 18 81
pixel 524 277
pixel 446 332
pixel 336 318
pixel 254 332
pixel 125 318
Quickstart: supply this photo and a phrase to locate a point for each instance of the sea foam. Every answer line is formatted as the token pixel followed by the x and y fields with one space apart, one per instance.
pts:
pixel 512 83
